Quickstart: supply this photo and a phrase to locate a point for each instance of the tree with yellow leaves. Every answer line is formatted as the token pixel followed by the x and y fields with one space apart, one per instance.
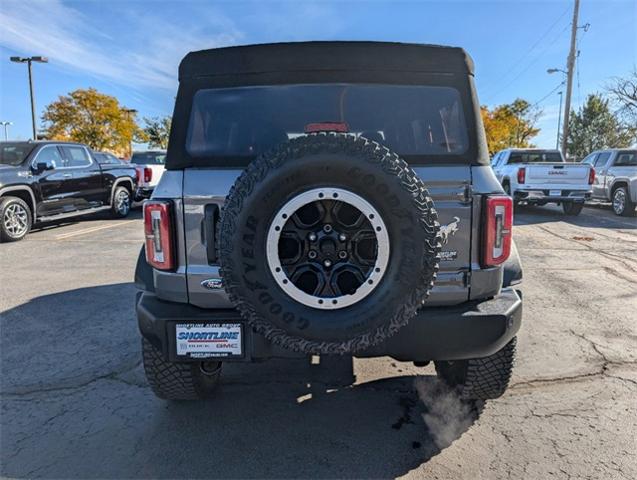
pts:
pixel 93 118
pixel 510 125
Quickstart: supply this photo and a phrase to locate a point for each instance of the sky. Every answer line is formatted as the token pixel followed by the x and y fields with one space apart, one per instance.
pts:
pixel 132 49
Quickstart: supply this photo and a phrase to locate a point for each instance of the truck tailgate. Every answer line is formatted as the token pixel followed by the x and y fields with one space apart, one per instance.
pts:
pixel 557 173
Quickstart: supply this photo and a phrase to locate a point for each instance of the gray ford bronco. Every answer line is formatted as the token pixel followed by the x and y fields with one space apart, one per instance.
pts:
pixel 328 198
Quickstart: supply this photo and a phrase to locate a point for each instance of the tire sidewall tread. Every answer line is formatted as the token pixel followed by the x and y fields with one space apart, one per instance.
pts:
pixel 480 378
pixel 316 149
pixel 173 380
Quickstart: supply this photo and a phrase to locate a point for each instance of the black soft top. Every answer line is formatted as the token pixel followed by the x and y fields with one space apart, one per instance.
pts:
pixel 301 63
pixel 325 56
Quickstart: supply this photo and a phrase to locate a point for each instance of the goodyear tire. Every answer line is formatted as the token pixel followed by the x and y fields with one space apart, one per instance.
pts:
pixel 179 381
pixel 480 378
pixel 357 223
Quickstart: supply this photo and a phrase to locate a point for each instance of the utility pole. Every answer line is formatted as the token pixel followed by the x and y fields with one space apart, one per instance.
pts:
pixel 570 67
pixel 29 61
pixel 131 112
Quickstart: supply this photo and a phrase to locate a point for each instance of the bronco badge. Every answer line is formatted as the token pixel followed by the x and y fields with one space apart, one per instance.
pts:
pixel 449 230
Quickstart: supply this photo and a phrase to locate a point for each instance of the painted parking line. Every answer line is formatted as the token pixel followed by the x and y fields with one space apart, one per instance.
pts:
pixel 85 231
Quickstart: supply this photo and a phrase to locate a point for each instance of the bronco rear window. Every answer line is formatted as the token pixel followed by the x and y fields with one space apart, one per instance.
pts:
pixel 246 121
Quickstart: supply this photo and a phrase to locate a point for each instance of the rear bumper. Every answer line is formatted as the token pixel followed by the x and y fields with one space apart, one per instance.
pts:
pixel 143 193
pixel 543 196
pixel 532 196
pixel 471 330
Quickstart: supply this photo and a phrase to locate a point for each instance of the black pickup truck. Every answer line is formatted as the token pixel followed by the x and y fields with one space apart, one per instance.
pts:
pixel 49 180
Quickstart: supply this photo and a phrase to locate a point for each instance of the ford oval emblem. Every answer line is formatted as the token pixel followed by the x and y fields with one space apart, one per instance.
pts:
pixel 212 284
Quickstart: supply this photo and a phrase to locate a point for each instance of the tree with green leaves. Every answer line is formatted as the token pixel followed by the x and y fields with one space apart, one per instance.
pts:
pixel 510 125
pixel 595 126
pixel 90 117
pixel 156 132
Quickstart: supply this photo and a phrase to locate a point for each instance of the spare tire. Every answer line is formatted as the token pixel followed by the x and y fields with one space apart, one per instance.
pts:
pixel 328 244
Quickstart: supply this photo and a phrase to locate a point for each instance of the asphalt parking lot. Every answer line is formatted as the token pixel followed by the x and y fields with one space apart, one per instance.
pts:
pixel 74 403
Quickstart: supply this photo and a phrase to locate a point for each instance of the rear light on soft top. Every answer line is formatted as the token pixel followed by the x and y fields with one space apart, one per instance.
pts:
pixel 497 230
pixel 158 231
pixel 521 175
pixel 591 176
pixel 340 127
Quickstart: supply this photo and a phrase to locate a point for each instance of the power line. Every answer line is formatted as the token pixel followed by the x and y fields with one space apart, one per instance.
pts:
pixel 533 62
pixel 548 95
pixel 526 54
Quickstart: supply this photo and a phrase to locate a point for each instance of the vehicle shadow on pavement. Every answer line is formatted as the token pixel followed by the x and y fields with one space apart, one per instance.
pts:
pixel 603 217
pixel 75 404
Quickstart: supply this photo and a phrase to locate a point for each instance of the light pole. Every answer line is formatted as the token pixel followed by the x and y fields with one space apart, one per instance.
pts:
pixel 564 72
pixel 29 61
pixel 130 112
pixel 6 129
pixel 559 118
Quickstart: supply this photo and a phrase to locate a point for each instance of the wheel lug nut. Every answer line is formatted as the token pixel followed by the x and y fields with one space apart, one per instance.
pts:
pixel 312 237
pixel 311 254
pixel 327 263
pixel 327 228
pixel 342 254
pixel 342 237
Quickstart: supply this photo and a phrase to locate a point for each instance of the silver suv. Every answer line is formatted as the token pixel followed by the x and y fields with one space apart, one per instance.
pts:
pixel 328 198
pixel 615 179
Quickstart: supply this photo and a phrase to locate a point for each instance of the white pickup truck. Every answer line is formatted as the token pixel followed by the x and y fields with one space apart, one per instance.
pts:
pixel 537 177
pixel 150 168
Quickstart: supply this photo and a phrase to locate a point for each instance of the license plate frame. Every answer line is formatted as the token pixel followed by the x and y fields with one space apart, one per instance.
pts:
pixel 197 340
pixel 555 193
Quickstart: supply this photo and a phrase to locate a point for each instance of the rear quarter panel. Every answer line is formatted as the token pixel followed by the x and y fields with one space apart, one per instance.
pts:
pixel 627 175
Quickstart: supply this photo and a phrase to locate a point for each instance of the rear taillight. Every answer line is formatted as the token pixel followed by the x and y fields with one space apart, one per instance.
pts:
pixel 496 230
pixel 148 174
pixel 159 235
pixel 591 176
pixel 341 127
pixel 138 175
pixel 521 175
